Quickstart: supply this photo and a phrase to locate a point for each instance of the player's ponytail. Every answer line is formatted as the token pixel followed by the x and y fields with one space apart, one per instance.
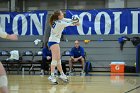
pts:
pixel 54 17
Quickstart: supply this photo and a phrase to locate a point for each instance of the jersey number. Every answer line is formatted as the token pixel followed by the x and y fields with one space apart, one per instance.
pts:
pixel 54 24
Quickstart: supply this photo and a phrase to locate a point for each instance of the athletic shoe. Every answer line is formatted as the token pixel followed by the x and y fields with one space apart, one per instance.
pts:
pixel 82 73
pixel 42 72
pixel 64 78
pixel 53 80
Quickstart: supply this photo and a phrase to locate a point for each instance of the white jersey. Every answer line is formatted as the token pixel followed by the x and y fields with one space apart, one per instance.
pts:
pixel 57 28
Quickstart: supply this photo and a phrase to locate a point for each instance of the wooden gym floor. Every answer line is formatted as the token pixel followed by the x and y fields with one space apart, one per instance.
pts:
pixel 94 83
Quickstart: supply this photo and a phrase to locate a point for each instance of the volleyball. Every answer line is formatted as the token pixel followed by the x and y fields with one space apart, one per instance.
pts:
pixel 75 18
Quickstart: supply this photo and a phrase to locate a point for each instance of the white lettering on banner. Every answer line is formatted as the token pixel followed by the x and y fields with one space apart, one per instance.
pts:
pixel 80 28
pixel 34 20
pixel 3 18
pixel 24 24
pixel 38 24
pixel 135 21
pixel 107 23
pixel 117 25
pixel 118 21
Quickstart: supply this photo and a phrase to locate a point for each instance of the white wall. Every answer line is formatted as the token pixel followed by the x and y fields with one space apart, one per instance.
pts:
pixel 133 3
pixel 4 5
pixel 116 3
pixel 13 6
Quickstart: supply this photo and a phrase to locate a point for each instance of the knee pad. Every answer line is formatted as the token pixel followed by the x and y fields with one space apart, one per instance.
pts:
pixel 3 81
pixel 54 62
pixel 59 62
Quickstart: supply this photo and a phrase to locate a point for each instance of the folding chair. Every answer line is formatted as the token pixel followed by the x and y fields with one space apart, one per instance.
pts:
pixel 65 60
pixel 3 56
pixel 37 59
pixel 27 60
pixel 14 64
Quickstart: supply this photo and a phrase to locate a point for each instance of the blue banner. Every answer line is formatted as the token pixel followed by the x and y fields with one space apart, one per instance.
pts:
pixel 26 23
pixel 105 22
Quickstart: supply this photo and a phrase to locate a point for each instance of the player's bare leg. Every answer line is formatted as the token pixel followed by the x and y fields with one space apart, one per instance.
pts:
pixel 56 62
pixel 3 80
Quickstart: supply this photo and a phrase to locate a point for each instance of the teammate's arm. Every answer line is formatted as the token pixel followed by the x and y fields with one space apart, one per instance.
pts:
pixel 3 34
pixel 7 36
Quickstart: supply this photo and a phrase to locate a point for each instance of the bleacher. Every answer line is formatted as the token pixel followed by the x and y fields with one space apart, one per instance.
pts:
pixel 101 51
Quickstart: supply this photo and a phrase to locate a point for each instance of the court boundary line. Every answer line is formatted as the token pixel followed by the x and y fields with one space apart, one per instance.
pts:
pixel 132 89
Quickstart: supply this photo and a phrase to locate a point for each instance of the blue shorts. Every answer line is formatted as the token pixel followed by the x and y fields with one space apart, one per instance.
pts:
pixel 51 43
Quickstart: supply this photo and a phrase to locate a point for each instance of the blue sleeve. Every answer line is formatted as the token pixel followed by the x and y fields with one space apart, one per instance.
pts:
pixel 44 53
pixel 49 53
pixel 82 52
pixel 72 54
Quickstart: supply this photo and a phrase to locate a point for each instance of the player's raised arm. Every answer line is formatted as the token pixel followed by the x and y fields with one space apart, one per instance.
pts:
pixel 67 19
pixel 70 22
pixel 66 24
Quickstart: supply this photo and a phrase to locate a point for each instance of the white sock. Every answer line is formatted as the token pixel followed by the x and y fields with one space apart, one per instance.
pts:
pixel 52 74
pixel 62 73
